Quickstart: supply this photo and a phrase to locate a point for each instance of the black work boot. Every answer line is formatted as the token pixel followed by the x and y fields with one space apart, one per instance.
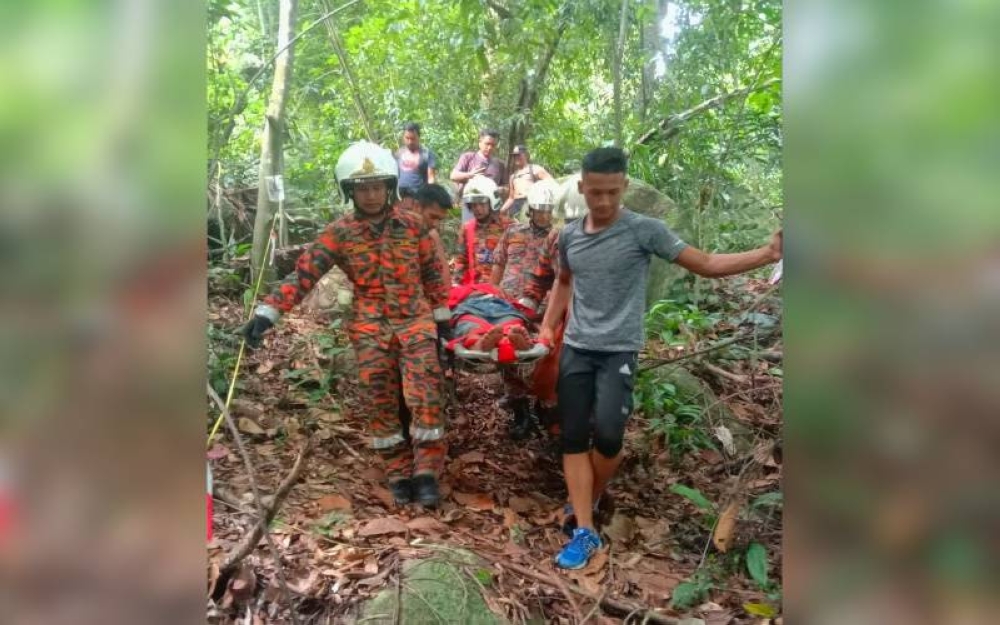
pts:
pixel 523 422
pixel 402 491
pixel 425 490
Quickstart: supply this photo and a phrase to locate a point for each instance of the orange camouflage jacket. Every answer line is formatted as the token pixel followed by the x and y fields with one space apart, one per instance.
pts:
pixel 541 278
pixel 487 238
pixel 394 267
pixel 518 252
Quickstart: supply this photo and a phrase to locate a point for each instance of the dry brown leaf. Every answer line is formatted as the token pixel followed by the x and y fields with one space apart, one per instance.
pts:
pixel 522 504
pixel 596 564
pixel 266 366
pixel 249 426
pixel 588 583
pixel 375 580
pixel 471 457
pixel 476 501
pixel 509 518
pixel 657 585
pixel 241 587
pixel 384 496
pixel 427 524
pixel 217 452
pixel 545 519
pixel 718 618
pixel 304 585
pixel 213 576
pixel 514 549
pixel 621 529
pixel 723 536
pixel 334 502
pixel 382 526
pixel 373 474
pixel 371 565
pixel 242 406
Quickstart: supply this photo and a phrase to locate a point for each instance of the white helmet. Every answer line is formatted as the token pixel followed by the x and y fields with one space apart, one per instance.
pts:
pixel 573 205
pixel 481 189
pixel 365 160
pixel 544 195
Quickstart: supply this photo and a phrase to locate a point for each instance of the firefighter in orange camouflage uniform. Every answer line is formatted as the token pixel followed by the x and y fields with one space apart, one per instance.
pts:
pixel 478 237
pixel 399 311
pixel 515 260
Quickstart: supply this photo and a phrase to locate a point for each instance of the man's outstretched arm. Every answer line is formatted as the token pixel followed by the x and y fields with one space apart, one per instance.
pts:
pixel 720 265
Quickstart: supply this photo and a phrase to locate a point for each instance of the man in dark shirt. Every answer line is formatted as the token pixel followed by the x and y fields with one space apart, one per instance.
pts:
pixel 481 162
pixel 417 164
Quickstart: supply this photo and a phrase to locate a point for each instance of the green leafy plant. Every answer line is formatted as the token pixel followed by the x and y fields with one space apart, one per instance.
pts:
pixel 675 323
pixel 323 375
pixel 671 416
pixel 708 512
pixel 757 564
pixel 693 590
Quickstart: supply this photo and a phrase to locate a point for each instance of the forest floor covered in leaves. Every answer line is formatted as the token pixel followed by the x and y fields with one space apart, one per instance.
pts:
pixel 342 539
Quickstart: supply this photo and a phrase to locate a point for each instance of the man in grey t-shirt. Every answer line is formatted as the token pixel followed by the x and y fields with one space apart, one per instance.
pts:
pixel 604 262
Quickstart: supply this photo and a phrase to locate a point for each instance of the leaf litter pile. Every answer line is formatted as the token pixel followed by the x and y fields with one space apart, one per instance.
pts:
pixel 691 532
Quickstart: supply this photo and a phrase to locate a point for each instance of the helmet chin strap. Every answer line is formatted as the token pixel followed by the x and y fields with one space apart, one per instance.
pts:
pixel 536 228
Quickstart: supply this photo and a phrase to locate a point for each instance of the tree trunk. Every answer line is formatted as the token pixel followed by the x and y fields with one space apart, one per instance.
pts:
pixel 617 68
pixel 531 89
pixel 652 49
pixel 271 140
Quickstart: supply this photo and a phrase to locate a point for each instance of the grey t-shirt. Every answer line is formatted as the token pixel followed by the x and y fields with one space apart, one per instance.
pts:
pixel 610 270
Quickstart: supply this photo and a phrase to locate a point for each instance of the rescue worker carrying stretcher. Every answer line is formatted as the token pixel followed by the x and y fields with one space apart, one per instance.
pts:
pixel 515 260
pixel 400 294
pixel 478 237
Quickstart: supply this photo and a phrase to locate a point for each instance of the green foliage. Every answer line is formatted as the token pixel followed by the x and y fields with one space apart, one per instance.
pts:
pixel 694 496
pixel 672 416
pixel 678 324
pixel 768 500
pixel 484 577
pixel 692 591
pixel 221 359
pixel 329 524
pixel 458 66
pixel 320 377
pixel 757 564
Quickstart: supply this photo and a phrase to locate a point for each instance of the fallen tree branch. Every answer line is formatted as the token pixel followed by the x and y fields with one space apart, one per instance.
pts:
pixel 722 373
pixel 266 515
pixel 609 605
pixel 711 348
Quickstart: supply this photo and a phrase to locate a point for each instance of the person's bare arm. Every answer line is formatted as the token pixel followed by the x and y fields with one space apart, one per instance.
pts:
pixel 431 175
pixel 542 173
pixel 457 175
pixel 558 303
pixel 496 275
pixel 720 265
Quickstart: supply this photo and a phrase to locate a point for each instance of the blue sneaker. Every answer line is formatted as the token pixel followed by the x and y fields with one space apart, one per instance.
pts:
pixel 569 518
pixel 578 551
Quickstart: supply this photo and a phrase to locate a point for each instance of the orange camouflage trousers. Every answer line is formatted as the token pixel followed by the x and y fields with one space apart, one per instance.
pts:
pixel 390 360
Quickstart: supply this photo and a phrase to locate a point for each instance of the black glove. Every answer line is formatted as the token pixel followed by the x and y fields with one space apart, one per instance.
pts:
pixel 445 334
pixel 253 330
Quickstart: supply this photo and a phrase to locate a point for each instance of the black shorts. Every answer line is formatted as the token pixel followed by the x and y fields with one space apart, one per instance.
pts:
pixel 597 384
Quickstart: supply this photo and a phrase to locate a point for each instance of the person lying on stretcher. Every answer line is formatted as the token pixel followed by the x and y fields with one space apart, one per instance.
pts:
pixel 484 320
